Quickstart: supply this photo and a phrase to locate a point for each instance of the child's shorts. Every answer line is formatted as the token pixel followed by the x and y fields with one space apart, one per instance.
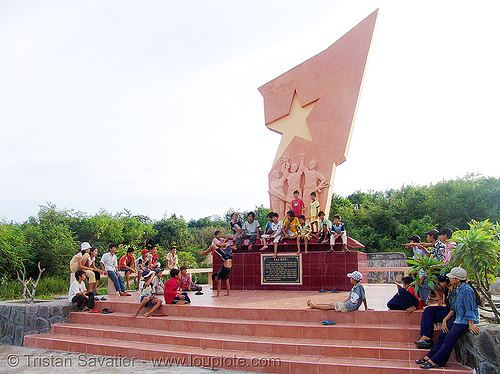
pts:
pixel 149 303
pixel 340 307
pixel 223 273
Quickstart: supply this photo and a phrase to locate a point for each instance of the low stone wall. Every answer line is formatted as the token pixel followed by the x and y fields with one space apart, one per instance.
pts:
pixel 386 260
pixel 482 351
pixel 18 319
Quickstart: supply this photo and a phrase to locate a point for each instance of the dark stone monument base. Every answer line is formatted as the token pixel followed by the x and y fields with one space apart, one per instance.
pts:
pixel 18 319
pixel 320 269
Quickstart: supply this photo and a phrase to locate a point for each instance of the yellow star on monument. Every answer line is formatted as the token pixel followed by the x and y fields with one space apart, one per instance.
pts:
pixel 292 125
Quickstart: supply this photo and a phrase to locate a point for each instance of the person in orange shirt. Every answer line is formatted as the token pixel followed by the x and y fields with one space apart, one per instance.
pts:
pixel 127 264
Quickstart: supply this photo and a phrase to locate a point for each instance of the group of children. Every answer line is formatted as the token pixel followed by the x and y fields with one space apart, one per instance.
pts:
pixel 293 226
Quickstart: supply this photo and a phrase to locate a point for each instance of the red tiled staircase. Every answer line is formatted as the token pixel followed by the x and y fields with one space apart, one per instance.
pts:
pixel 273 340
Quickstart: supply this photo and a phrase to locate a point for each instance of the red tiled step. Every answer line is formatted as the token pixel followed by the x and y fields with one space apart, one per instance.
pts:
pixel 298 315
pixel 322 347
pixel 289 363
pixel 283 329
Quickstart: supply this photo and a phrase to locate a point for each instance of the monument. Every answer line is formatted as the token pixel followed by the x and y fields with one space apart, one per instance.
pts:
pixel 313 106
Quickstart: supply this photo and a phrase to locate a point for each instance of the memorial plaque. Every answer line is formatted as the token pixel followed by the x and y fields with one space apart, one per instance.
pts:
pixel 283 270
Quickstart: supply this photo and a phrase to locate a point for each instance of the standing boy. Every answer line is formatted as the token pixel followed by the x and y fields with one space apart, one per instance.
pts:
pixel 314 212
pixel 109 263
pixel 224 251
pixel 297 204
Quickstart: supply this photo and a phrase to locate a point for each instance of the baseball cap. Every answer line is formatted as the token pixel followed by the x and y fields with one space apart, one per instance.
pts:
pixel 144 251
pixel 85 246
pixel 457 273
pixel 356 275
pixel 146 273
pixel 415 238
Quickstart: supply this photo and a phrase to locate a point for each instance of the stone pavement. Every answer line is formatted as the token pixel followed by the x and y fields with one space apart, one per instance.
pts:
pixel 14 360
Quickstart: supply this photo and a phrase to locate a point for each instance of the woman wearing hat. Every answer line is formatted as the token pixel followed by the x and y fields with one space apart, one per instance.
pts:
pixel 466 318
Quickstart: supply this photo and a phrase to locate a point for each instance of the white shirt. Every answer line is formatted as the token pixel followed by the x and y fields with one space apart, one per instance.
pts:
pixel 110 261
pixel 171 260
pixel 75 288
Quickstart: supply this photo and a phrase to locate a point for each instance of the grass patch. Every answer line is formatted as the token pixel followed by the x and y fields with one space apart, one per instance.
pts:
pixel 47 288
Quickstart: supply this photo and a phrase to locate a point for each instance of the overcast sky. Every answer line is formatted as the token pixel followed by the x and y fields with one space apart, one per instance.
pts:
pixel 153 105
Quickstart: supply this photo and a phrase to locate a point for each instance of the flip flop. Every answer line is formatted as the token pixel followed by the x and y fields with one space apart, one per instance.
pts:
pixel 159 315
pixel 421 361
pixel 424 344
pixel 199 293
pixel 334 291
pixel 428 365
pixel 322 290
pixel 327 322
pixel 95 311
pixel 103 298
pixel 106 311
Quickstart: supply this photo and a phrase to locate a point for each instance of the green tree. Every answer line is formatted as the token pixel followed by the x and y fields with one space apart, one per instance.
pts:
pixel 478 252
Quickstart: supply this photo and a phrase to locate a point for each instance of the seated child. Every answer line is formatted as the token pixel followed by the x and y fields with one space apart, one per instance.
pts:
pixel 76 294
pixel 338 229
pixel 186 284
pixel 269 227
pixel 325 227
pixel 405 298
pixel 157 282
pixel 147 299
pixel 142 263
pixel 350 303
pixel 303 233
pixel 127 264
pixel 171 295
pixel 290 225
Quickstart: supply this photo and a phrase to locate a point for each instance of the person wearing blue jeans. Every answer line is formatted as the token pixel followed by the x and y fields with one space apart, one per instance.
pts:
pixel 109 264
pixel 437 314
pixel 466 318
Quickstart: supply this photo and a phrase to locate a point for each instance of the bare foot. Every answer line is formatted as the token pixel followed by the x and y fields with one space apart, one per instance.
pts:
pixel 134 315
pixel 264 248
pixel 215 296
pixel 309 303
pixel 234 248
pixel 275 255
pixel 298 252
pixel 147 314
pixel 250 247
pixel 226 294
pixel 306 252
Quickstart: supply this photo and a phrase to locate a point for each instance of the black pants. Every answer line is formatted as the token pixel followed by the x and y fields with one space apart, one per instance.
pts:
pixel 402 300
pixel 97 275
pixel 82 302
pixel 252 239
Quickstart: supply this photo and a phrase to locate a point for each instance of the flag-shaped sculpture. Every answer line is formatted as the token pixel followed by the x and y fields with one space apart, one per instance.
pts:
pixel 313 106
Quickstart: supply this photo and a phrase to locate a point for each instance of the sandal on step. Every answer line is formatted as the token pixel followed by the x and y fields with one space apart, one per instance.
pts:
pixel 106 311
pixel 159 315
pixel 421 343
pixel 429 365
pixel 421 361
pixel 95 311
pixel 327 322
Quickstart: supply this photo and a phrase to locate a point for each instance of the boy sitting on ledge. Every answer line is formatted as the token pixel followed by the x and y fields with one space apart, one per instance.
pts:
pixel 350 303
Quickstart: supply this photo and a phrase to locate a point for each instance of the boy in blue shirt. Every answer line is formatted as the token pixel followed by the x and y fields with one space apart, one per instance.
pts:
pixel 338 229
pixel 350 303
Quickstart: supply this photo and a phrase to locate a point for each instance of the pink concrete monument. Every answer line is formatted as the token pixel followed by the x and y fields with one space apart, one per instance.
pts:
pixel 313 106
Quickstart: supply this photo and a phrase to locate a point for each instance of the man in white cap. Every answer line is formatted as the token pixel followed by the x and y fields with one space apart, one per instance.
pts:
pixel 466 318
pixel 350 303
pixel 80 262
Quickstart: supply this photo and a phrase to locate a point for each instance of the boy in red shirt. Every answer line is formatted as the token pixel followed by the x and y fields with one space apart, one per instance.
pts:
pixel 297 204
pixel 170 290
pixel 127 264
pixel 405 299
